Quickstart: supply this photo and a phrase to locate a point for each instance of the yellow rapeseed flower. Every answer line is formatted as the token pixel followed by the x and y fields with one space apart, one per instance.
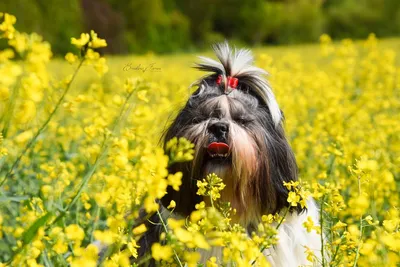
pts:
pixel 96 42
pixel 82 41
pixel 71 58
pixel 171 205
pixel 175 180
pixel 293 199
pixel 139 229
pixel 74 232
pixel 159 252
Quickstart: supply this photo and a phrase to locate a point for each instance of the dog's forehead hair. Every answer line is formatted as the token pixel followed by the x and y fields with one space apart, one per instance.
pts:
pixel 228 106
pixel 217 106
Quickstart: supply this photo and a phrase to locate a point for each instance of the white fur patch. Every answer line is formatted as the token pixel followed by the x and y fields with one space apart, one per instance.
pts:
pixel 293 237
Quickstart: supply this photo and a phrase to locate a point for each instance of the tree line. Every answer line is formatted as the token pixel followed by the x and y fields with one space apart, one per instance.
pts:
pixel 164 26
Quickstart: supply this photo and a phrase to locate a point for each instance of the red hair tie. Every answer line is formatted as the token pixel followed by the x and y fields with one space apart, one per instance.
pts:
pixel 231 81
pixel 219 79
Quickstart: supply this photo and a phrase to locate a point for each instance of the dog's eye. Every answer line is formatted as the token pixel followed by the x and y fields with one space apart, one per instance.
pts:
pixel 216 114
pixel 244 120
pixel 196 120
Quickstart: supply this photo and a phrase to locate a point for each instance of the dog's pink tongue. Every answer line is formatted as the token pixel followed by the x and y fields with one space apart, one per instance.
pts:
pixel 218 148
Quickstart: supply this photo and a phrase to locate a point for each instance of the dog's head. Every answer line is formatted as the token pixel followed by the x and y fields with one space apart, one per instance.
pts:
pixel 236 125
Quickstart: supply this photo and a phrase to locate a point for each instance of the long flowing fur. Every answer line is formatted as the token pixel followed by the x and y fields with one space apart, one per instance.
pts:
pixel 248 120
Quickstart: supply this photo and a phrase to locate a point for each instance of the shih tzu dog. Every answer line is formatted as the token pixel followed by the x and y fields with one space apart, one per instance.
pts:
pixel 235 123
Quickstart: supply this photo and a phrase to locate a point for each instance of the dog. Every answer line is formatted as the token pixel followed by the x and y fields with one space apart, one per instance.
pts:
pixel 235 123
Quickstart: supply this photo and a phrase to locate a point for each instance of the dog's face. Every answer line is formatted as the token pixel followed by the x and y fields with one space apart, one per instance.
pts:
pixel 236 137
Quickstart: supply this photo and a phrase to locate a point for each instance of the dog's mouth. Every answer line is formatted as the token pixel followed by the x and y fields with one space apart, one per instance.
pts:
pixel 218 150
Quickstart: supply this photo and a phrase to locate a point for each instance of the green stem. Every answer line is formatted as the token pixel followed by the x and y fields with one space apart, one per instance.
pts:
pixel 96 221
pixel 336 251
pixel 361 228
pixel 277 227
pixel 211 200
pixel 321 223
pixel 143 260
pixel 10 109
pixel 283 218
pixel 166 231
pixel 41 129
pixel 89 174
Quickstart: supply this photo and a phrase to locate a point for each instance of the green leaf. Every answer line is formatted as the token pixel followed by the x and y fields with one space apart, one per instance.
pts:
pixel 15 199
pixel 29 234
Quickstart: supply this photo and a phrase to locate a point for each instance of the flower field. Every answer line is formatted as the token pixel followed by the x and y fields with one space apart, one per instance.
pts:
pixel 80 153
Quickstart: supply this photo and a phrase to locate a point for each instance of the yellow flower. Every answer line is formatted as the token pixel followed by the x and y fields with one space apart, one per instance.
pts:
pixel 60 246
pixel 107 237
pixel 391 241
pixel 101 66
pixel 361 202
pixel 23 137
pixel 369 219
pixel 268 218
pixel 71 58
pixel 183 235
pixel 142 95
pixel 7 26
pixel 390 225
pixel 139 229
pixel 200 205
pixel 150 205
pixel 199 241
pixel 310 254
pixel 293 199
pixel 309 224
pixel 197 215
pixel 83 262
pixel 91 252
pixel 171 205
pixel 175 224
pixel 212 262
pixel 46 189
pixel 339 225
pixel 132 247
pixel 4 93
pixel 92 55
pixel 121 161
pixel 82 41
pixel 96 42
pixel 367 248
pixel 74 232
pixel 26 112
pixel 159 252
pixel 291 184
pixel 202 187
pixel 175 180
pixel 191 258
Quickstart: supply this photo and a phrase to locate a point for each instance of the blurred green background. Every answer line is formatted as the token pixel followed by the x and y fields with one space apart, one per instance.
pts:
pixel 165 26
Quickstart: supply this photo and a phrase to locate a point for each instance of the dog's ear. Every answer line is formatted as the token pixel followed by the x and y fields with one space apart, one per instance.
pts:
pixel 282 165
pixel 186 198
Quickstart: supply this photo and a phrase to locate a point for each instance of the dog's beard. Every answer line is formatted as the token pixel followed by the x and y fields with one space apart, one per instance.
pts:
pixel 237 164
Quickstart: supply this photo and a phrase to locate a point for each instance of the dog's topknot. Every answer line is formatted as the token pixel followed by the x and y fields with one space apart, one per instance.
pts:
pixel 237 63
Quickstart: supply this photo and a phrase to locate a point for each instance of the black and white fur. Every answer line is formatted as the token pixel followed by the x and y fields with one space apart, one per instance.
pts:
pixel 248 119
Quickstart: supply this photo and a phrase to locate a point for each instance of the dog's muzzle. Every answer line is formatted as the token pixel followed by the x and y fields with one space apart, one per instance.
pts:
pixel 218 147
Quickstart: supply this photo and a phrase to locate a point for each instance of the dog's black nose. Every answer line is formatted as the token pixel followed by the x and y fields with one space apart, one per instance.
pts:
pixel 219 129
